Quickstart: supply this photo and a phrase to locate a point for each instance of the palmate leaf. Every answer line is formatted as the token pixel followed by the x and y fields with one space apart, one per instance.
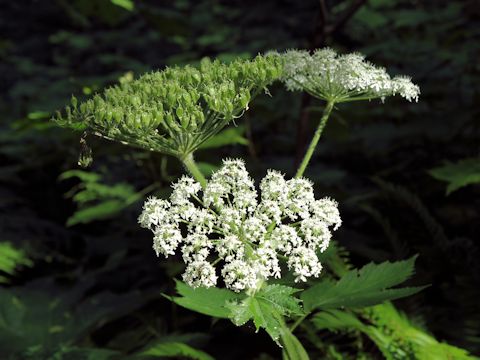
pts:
pixel 266 308
pixel 365 287
pixel 207 301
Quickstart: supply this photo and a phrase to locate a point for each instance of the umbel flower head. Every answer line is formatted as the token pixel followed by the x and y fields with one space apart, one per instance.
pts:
pixel 246 234
pixel 173 111
pixel 340 78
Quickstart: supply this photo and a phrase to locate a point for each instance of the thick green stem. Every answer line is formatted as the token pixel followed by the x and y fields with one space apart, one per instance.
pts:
pixel 316 137
pixel 194 170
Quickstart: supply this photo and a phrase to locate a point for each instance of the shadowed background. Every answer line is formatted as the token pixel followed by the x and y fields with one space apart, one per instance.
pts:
pixel 70 249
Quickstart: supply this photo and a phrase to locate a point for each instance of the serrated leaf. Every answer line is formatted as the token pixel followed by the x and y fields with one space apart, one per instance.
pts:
pixel 240 313
pixel 177 349
pixel 457 175
pixel 207 301
pixel 263 313
pixel 365 287
pixel 280 296
pixel 266 308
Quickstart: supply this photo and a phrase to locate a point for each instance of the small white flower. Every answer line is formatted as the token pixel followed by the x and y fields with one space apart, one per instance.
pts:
pixel 228 225
pixel 253 229
pixel 300 196
pixel 183 189
pixel 316 233
pixel 240 275
pixel 200 273
pixel 332 77
pixel 155 212
pixel 304 263
pixel 286 238
pixel 196 248
pixel 166 239
pixel 267 262
pixel 230 248
pixel 326 209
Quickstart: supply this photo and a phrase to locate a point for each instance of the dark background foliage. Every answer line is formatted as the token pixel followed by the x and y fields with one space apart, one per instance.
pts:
pixel 373 158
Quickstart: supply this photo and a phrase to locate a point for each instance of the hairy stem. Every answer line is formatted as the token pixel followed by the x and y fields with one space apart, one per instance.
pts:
pixel 193 169
pixel 316 137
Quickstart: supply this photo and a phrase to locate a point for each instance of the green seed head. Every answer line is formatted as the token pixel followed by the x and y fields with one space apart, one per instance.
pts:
pixel 175 110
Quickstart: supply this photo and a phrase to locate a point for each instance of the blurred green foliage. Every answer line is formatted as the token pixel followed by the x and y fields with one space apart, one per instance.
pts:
pixel 93 290
pixel 459 174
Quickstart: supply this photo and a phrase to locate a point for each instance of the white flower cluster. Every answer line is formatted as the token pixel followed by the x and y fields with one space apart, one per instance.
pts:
pixel 340 78
pixel 248 234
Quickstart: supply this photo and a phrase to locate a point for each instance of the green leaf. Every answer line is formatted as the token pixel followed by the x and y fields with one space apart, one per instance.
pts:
pixel 266 308
pixel 230 136
pixel 337 320
pixel 443 351
pixel 457 175
pixel 207 169
pixel 11 257
pixel 47 316
pixel 292 347
pixel 263 314
pixel 100 211
pixel 97 201
pixel 207 301
pixel 177 349
pixel 392 332
pixel 86 353
pixel 85 176
pixel 280 296
pixel 365 287
pixel 126 4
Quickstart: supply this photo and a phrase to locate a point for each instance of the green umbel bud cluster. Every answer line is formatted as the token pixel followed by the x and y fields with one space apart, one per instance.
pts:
pixel 175 110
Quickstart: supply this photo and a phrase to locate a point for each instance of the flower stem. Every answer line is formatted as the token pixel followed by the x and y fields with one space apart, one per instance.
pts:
pixel 193 169
pixel 316 137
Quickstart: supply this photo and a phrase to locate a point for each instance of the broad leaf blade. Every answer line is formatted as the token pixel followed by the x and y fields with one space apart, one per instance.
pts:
pixel 207 301
pixel 337 320
pixel 267 308
pixel 280 297
pixel 365 287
